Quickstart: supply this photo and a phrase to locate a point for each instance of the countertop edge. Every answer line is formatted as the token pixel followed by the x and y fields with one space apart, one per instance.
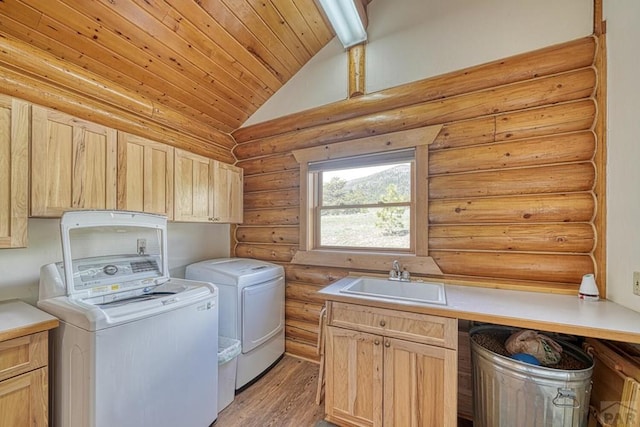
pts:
pixel 19 319
pixel 28 330
pixel 332 293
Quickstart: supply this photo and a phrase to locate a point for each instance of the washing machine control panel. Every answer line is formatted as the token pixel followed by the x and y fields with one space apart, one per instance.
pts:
pixel 100 275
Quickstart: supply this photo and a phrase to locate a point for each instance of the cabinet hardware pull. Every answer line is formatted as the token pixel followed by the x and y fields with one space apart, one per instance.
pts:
pixel 387 344
pixel 377 342
pixel 382 323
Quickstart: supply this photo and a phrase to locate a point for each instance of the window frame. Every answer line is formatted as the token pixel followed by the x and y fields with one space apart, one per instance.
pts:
pixel 417 261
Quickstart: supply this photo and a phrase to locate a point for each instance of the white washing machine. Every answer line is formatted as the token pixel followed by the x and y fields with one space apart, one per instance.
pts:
pixel 251 309
pixel 134 346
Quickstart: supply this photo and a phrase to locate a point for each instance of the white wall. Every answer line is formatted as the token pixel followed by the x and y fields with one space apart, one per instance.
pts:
pixel 415 39
pixel 411 40
pixel 623 150
pixel 20 268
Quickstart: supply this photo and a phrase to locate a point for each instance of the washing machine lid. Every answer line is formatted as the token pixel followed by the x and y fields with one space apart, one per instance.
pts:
pixel 109 251
pixel 235 271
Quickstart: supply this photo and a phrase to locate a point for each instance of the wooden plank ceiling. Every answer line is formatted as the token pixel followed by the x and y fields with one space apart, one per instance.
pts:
pixel 213 61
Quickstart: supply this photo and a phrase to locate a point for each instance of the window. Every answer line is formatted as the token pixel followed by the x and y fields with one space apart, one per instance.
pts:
pixel 363 202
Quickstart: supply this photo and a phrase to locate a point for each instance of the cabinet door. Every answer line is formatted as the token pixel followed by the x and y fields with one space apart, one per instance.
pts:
pixel 420 385
pixel 353 377
pixel 227 193
pixel 14 167
pixel 193 195
pixel 73 164
pixel 24 399
pixel 145 175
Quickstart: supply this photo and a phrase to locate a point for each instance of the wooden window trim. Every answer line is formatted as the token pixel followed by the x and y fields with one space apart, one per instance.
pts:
pixel 419 261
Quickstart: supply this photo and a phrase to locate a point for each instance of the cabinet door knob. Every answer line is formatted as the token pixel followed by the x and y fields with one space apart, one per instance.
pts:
pixel 382 323
pixel 376 342
pixel 387 344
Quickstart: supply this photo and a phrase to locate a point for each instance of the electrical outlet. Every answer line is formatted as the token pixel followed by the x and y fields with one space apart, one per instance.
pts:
pixel 636 282
pixel 142 246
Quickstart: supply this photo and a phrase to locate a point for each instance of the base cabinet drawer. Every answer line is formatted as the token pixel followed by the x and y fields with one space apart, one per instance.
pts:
pixel 416 327
pixel 24 400
pixel 23 354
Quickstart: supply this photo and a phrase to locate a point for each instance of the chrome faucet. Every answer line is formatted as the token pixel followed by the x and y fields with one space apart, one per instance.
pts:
pixel 397 273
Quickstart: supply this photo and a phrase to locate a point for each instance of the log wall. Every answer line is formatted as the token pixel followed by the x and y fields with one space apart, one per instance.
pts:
pixel 511 176
pixel 37 76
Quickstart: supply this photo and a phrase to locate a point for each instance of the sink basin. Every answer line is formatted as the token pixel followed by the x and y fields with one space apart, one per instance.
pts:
pixel 422 292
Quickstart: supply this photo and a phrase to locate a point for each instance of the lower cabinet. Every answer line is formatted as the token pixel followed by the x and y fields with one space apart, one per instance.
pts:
pixel 24 395
pixel 375 376
pixel 23 399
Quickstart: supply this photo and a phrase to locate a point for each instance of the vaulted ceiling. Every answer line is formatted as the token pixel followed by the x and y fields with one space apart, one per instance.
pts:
pixel 214 61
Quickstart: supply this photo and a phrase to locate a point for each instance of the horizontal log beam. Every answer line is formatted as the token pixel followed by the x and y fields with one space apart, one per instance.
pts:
pixel 550 60
pixel 276 216
pixel 275 163
pixel 548 120
pixel 561 268
pixel 576 207
pixel 45 94
pixel 276 234
pixel 300 335
pixel 465 132
pixel 565 178
pixel 301 349
pixel 314 275
pixel 557 237
pixel 19 58
pixel 271 253
pixel 272 181
pixel 304 311
pixel 561 148
pixel 564 87
pixel 271 199
pixel 304 292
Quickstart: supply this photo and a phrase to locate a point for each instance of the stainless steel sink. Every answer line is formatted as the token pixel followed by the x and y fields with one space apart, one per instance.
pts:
pixel 421 292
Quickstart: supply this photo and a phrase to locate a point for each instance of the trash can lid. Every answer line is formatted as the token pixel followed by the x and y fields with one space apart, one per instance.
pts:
pixel 228 349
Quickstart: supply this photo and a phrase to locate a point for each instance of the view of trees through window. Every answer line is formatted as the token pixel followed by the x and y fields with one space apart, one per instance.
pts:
pixel 366 207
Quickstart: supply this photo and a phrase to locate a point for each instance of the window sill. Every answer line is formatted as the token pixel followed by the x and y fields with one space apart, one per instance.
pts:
pixel 362 260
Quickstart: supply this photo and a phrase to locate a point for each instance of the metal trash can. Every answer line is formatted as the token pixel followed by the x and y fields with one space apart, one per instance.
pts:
pixel 228 351
pixel 509 393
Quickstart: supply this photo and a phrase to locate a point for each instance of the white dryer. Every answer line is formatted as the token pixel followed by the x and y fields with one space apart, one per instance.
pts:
pixel 251 309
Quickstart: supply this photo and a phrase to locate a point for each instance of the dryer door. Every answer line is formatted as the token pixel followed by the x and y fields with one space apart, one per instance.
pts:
pixel 262 313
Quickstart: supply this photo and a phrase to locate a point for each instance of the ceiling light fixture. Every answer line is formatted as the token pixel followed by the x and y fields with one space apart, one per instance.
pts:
pixel 349 20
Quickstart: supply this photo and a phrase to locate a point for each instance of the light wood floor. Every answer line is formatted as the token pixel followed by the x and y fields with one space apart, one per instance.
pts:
pixel 285 396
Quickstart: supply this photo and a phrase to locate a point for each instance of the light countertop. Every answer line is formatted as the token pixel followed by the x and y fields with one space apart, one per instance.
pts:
pixel 17 318
pixel 533 310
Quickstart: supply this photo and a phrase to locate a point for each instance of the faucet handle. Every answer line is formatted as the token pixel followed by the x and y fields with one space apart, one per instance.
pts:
pixel 405 275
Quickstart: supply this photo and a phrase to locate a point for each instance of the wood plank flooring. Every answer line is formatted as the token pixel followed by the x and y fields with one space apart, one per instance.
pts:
pixel 284 397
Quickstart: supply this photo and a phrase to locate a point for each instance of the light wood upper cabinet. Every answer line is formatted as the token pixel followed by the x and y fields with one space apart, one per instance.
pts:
pixel 227 193
pixel 193 189
pixel 145 175
pixel 206 190
pixel 390 368
pixel 14 175
pixel 73 164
